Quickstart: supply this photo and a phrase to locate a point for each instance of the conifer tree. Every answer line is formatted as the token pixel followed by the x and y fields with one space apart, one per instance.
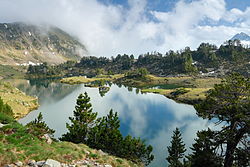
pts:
pixel 38 127
pixel 136 150
pixel 176 150
pixel 103 133
pixel 82 122
pixel 204 150
pixel 229 102
pixel 106 134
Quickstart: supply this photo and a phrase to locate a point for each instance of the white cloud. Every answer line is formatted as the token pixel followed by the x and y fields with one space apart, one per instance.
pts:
pixel 107 30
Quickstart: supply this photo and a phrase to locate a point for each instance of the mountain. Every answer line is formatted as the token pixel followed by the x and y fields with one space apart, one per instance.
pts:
pixel 243 37
pixel 23 44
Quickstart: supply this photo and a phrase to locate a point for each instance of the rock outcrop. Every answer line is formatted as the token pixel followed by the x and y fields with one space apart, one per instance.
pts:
pixel 53 163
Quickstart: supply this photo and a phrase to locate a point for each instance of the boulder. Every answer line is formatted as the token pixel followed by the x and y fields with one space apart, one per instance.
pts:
pixel 40 163
pixel 2 125
pixel 19 163
pixel 101 152
pixel 83 162
pixel 32 163
pixel 107 165
pixel 47 138
pixel 51 163
pixel 10 165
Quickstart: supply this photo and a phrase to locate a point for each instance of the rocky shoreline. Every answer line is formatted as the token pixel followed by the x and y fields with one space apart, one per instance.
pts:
pixel 53 163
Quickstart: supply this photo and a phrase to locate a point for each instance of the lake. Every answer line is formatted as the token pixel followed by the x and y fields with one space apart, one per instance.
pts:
pixel 150 116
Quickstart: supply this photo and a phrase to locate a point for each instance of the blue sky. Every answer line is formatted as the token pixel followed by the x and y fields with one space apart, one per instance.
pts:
pixel 167 5
pixel 111 27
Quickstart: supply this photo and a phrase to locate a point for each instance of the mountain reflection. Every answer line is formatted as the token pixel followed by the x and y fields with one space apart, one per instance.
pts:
pixel 149 116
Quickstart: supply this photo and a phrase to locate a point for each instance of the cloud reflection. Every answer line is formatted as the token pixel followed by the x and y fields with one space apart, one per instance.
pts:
pixel 149 116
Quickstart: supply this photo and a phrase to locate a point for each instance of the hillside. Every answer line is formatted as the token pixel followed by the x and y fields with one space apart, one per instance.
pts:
pixel 20 103
pixel 24 44
pixel 206 60
pixel 22 146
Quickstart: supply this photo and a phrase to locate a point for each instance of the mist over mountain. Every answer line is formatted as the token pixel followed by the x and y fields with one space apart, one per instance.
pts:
pixel 133 26
pixel 22 43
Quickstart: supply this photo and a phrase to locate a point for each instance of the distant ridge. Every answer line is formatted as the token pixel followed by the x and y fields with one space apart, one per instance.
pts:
pixel 241 36
pixel 23 44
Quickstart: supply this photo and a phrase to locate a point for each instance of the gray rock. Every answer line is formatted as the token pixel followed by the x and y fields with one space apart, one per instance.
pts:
pixel 2 125
pixel 64 165
pixel 9 165
pixel 101 152
pixel 40 163
pixel 83 162
pixel 47 138
pixel 51 163
pixel 32 163
pixel 107 165
pixel 72 165
pixel 19 163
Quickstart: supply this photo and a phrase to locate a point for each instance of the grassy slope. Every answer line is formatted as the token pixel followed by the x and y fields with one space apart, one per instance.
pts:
pixel 79 80
pixel 7 71
pixel 20 103
pixel 196 88
pixel 18 145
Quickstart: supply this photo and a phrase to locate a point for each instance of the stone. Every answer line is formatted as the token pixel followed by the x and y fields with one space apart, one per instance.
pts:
pixel 2 125
pixel 31 162
pixel 19 163
pixel 107 165
pixel 47 138
pixel 9 165
pixel 101 152
pixel 40 163
pixel 51 163
pixel 83 162
pixel 64 165
pixel 71 165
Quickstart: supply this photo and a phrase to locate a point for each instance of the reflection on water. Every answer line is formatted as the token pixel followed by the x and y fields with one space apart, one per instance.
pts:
pixel 149 116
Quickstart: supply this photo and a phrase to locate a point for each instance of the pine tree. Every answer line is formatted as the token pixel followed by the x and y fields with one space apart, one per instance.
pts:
pixel 82 122
pixel 106 134
pixel 103 133
pixel 38 127
pixel 107 137
pixel 229 102
pixel 176 150
pixel 204 150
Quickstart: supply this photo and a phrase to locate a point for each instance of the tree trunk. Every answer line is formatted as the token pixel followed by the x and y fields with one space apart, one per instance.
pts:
pixel 231 146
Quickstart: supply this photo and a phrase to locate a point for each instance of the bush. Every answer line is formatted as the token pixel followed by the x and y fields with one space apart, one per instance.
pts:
pixel 138 73
pixel 5 119
pixel 179 91
pixel 39 127
pixel 5 108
